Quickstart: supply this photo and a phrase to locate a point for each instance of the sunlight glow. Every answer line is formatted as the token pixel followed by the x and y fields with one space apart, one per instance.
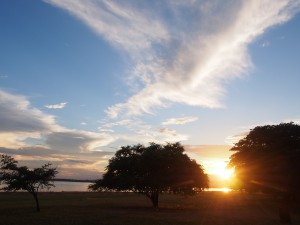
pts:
pixel 226 190
pixel 225 174
pixel 221 170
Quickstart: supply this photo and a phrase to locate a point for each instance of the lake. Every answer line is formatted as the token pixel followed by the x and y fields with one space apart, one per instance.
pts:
pixel 82 186
pixel 70 186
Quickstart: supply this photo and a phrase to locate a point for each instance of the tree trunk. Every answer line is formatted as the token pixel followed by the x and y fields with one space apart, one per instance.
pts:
pixel 154 198
pixel 284 209
pixel 36 202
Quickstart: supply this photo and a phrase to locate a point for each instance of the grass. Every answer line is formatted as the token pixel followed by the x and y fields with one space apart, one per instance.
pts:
pixel 208 208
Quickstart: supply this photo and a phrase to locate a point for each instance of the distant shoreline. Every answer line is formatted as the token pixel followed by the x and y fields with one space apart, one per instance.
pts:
pixel 73 180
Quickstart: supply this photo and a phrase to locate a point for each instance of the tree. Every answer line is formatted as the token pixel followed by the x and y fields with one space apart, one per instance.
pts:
pixel 16 178
pixel 152 170
pixel 267 160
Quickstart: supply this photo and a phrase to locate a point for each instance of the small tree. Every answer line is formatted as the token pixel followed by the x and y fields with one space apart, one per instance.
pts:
pixel 267 160
pixel 16 178
pixel 153 170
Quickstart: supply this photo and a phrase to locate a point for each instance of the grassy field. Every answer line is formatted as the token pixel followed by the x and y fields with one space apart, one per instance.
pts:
pixel 208 208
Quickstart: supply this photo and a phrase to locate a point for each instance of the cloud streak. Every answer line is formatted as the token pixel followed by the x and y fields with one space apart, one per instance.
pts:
pixel 121 23
pixel 157 135
pixel 76 165
pixel 118 123
pixel 74 141
pixel 57 106
pixel 185 57
pixel 181 120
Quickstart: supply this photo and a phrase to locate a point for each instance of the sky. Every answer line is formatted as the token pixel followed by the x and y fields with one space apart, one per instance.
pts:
pixel 79 79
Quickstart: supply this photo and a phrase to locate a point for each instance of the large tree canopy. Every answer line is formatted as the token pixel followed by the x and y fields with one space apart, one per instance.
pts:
pixel 267 160
pixel 152 170
pixel 14 178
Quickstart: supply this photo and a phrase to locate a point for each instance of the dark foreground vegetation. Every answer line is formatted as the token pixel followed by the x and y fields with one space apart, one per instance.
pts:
pixel 15 178
pixel 207 208
pixel 267 160
pixel 153 170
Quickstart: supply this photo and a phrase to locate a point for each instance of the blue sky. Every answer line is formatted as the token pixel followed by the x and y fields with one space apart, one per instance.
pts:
pixel 78 79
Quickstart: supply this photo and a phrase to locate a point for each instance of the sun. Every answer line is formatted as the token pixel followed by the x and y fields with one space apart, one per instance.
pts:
pixel 225 174
pixel 221 170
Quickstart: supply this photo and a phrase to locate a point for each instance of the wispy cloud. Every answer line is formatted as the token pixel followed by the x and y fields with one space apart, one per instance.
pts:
pixel 84 165
pixel 136 130
pixel 171 135
pixel 180 120
pixel 57 106
pixel 187 56
pixel 3 76
pixel 117 123
pixel 158 135
pixel 74 141
pixel 121 23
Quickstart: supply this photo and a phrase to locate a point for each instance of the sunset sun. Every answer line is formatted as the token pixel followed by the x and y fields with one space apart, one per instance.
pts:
pixel 221 170
pixel 225 173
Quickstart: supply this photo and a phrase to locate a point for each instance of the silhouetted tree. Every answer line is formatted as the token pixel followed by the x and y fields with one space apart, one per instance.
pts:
pixel 267 160
pixel 15 178
pixel 153 170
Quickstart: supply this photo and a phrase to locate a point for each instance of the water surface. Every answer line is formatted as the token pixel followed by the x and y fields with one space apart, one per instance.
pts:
pixel 69 186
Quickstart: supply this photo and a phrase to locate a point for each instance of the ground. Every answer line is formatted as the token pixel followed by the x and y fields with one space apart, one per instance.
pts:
pixel 208 208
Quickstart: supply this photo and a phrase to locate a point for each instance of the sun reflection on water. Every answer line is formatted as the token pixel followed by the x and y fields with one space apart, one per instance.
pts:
pixel 224 189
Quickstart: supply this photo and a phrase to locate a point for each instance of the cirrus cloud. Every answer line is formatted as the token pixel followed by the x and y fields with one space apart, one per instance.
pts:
pixel 180 120
pixel 185 57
